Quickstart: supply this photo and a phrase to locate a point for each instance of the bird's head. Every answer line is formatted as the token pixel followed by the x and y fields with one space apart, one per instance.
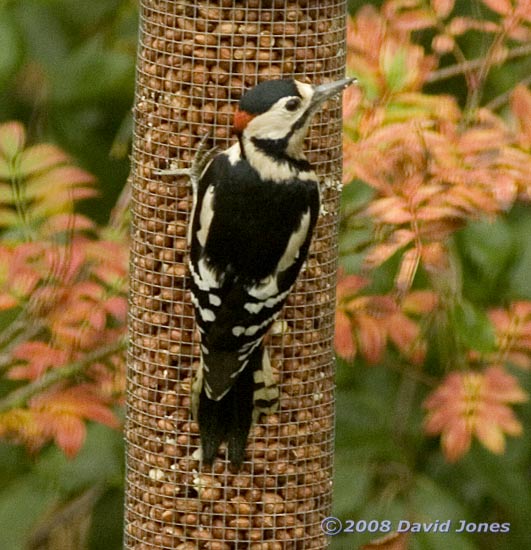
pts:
pixel 277 113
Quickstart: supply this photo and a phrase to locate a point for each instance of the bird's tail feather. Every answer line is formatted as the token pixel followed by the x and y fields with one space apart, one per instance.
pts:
pixel 230 418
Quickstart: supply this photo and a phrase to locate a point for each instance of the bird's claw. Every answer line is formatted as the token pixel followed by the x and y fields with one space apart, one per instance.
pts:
pixel 200 162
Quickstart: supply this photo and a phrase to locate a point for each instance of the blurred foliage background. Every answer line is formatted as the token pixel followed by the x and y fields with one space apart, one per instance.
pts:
pixel 67 73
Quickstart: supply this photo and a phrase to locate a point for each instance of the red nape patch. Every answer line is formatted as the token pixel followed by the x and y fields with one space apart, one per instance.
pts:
pixel 241 119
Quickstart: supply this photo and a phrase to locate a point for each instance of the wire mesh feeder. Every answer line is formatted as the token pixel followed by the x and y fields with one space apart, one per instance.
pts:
pixel 195 58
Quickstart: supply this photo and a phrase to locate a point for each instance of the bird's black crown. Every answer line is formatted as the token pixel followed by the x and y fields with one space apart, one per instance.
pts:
pixel 263 96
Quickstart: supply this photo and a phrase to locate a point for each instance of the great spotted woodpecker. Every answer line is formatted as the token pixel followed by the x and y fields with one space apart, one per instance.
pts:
pixel 254 210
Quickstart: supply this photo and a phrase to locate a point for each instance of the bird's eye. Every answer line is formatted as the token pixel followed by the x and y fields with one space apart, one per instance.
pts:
pixel 293 104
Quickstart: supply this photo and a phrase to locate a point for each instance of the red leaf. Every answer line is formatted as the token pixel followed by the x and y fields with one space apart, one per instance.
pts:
pixel 343 339
pixel 383 251
pixel 389 210
pixel 521 107
pixel 7 301
pixel 420 302
pixel 522 309
pixel 408 270
pixel 405 334
pixel 414 20
pixel 68 431
pixel 67 222
pixel 371 338
pixel 434 213
pixel 442 8
pixel 456 440
pixel 38 357
pixel 349 285
pixel 434 257
pixel 117 307
pixel 62 411
pixel 503 7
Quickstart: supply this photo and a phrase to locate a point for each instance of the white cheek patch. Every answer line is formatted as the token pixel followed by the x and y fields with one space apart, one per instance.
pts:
pixel 277 120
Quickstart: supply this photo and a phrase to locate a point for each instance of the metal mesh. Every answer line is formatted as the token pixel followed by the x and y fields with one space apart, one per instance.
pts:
pixel 194 61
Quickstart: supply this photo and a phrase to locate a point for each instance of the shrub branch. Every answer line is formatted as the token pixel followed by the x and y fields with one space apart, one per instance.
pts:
pixel 20 397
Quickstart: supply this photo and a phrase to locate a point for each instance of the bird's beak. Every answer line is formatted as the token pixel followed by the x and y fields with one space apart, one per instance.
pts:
pixel 325 91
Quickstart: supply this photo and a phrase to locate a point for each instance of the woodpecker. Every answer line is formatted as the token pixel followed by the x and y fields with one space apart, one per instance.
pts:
pixel 255 206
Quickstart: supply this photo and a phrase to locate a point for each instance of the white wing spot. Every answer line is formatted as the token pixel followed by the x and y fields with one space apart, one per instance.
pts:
pixel 238 331
pixel 252 330
pixel 252 307
pixel 197 279
pixel 207 275
pixel 274 300
pixel 214 299
pixel 206 215
pixel 295 242
pixel 265 289
pixel 207 314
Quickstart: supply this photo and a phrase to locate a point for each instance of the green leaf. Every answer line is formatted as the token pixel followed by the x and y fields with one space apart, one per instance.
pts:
pixel 394 67
pixel 489 250
pixel 354 196
pixel 5 169
pixel 12 139
pixel 8 218
pixel 40 157
pixel 6 194
pixel 473 327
